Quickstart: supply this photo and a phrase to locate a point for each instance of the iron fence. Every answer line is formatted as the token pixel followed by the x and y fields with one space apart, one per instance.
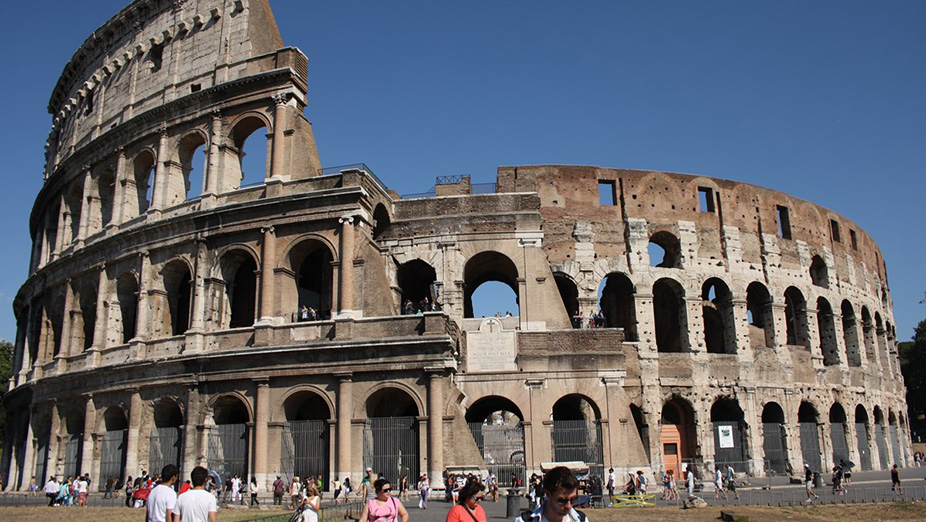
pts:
pixel 304 449
pixel 502 449
pixel 228 450
pixel 165 446
pixel 73 453
pixel 112 458
pixel 579 440
pixel 391 447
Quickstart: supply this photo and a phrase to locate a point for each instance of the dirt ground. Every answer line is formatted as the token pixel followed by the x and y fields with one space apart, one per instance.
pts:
pixel 109 514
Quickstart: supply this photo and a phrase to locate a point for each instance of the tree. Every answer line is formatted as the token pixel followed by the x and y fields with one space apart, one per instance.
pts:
pixel 6 370
pixel 913 368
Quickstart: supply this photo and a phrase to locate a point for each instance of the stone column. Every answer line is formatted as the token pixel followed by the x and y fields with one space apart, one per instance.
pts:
pixel 142 322
pixel 345 403
pixel 65 345
pixel 53 442
pixel 279 126
pixel 102 321
pixel 131 445
pixel 86 460
pixel 86 207
pixel 261 417
pixel 267 264
pixel 28 464
pixel 191 451
pixel 215 155
pixel 435 425
pixel 198 306
pixel 120 188
pixel 159 193
pixel 346 275
pixel 538 448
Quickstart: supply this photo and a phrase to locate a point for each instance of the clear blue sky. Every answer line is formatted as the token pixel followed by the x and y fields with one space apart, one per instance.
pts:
pixel 823 100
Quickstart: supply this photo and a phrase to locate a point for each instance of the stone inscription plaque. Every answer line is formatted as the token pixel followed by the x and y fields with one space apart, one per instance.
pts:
pixel 490 349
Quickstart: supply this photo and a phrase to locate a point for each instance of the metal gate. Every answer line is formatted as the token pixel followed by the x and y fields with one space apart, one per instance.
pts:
pixel 390 447
pixel 73 453
pixel 773 442
pixel 502 449
pixel 895 446
pixel 810 445
pixel 41 461
pixel 882 446
pixel 864 449
pixel 112 460
pixel 579 440
pixel 304 449
pixel 228 450
pixel 840 444
pixel 734 454
pixel 165 448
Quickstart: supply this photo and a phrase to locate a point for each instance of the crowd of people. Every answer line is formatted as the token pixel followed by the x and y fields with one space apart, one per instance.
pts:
pixel 594 320
pixel 425 305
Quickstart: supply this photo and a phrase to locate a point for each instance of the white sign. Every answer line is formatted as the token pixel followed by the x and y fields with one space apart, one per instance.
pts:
pixel 491 349
pixel 725 434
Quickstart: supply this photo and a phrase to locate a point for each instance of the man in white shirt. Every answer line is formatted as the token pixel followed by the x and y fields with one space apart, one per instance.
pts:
pixel 163 498
pixel 197 504
pixel 51 490
pixel 235 489
pixel 560 491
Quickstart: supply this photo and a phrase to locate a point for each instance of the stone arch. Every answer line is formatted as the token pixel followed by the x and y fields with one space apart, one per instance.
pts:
pixel 165 441
pixel 306 404
pixel 774 438
pixel 391 441
pixel 826 326
pixel 392 399
pixel 293 397
pixel 678 433
pixel 798 331
pixel 863 437
pixel 306 436
pixel 808 419
pixel 237 271
pixel 850 334
pixel 416 280
pixel 176 276
pixel 229 408
pixel 576 406
pixel 569 294
pixel 127 298
pixel 143 167
pixel 759 315
pixel 819 273
pixel 242 129
pixel 868 334
pixel 188 182
pixel 381 220
pixel 717 313
pixel 488 266
pixel 484 407
pixel 577 431
pixel 496 425
pixel 310 259
pixel 729 426
pixel 73 206
pixel 619 305
pixel 113 447
pixel 670 316
pixel 106 194
pixel 666 244
pixel 73 426
pixel 83 317
pixel 838 433
pixel 228 438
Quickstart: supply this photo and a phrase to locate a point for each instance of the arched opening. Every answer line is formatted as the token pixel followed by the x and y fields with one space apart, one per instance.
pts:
pixel 253 152
pixel 166 440
pixel 664 251
pixel 73 207
pixel 113 447
pixel 83 323
pixel 390 437
pixel 717 312
pixel 826 326
pixel 127 296
pixel 228 439
pixel 881 438
pixel 106 192
pixel 818 272
pixel 882 343
pixel 618 305
pixel 239 276
pixel 53 330
pixel 306 436
pixel 193 166
pixel 143 167
pixel 74 447
pixel 796 318
pixel 569 294
pixel 495 423
pixel 808 419
pixel 863 437
pixel 486 267
pixel 894 436
pixel 678 435
pixel 176 277
pixel 642 428
pixel 311 261
pixel 577 432
pixel 729 433
pixel 669 316
pixel 381 221
pixel 774 439
pixel 868 332
pixel 838 434
pixel 850 334
pixel 759 316
pixel 416 282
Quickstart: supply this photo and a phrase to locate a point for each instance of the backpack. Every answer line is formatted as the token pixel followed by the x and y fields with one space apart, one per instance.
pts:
pixel 528 516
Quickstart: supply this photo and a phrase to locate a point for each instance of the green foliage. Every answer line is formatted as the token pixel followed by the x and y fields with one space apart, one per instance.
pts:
pixel 6 370
pixel 913 367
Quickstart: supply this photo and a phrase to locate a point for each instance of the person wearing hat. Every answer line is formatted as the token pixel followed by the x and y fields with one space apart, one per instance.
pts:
pixel 808 482
pixel 295 493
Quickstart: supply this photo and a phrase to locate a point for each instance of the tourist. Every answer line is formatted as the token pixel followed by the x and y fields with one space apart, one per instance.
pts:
pixel 81 488
pixel 424 489
pixel 295 492
pixel 612 483
pixel 896 488
pixel 279 487
pixel 719 490
pixel 252 490
pixel 163 498
pixel 492 486
pixel 561 490
pixel 383 507
pixel 336 486
pixel 808 483
pixel 196 505
pixel 311 503
pixel 731 481
pixel 403 487
pixel 468 508
pixel 51 490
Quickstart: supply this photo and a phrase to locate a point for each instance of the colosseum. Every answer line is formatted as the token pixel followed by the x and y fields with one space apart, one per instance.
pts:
pixel 312 321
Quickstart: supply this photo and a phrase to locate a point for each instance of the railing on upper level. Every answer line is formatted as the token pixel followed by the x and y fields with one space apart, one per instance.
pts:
pixel 476 188
pixel 327 171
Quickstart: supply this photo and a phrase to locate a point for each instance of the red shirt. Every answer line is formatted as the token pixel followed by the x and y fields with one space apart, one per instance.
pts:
pixel 459 513
pixel 184 488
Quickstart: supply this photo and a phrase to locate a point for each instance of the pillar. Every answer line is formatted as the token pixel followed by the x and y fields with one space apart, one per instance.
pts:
pixel 120 189
pixel 86 207
pixel 65 351
pixel 261 417
pixel 435 426
pixel 131 445
pixel 538 447
pixel 345 403
pixel 279 124
pixel 86 460
pixel 198 308
pixel 346 267
pixel 142 322
pixel 28 464
pixel 53 442
pixel 159 193
pixel 102 321
pixel 191 452
pixel 215 155
pixel 267 263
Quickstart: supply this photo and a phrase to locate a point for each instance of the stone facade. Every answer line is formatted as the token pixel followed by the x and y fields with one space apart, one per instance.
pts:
pixel 161 321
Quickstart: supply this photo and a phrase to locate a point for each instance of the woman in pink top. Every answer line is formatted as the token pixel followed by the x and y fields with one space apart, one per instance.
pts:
pixel 383 507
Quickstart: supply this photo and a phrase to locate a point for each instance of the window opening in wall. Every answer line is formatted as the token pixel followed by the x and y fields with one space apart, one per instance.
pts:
pixel 253 152
pixel 818 272
pixel 616 302
pixel 784 223
pixel 854 239
pixel 196 87
pixel 607 196
pixel 89 99
pixel 834 226
pixel 670 319
pixel 826 328
pixel 664 250
pixel 156 57
pixel 494 298
pixel 717 314
pixel 196 174
pixel 706 199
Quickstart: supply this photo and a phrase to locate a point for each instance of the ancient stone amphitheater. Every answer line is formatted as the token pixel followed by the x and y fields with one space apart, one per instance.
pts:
pixel 162 318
